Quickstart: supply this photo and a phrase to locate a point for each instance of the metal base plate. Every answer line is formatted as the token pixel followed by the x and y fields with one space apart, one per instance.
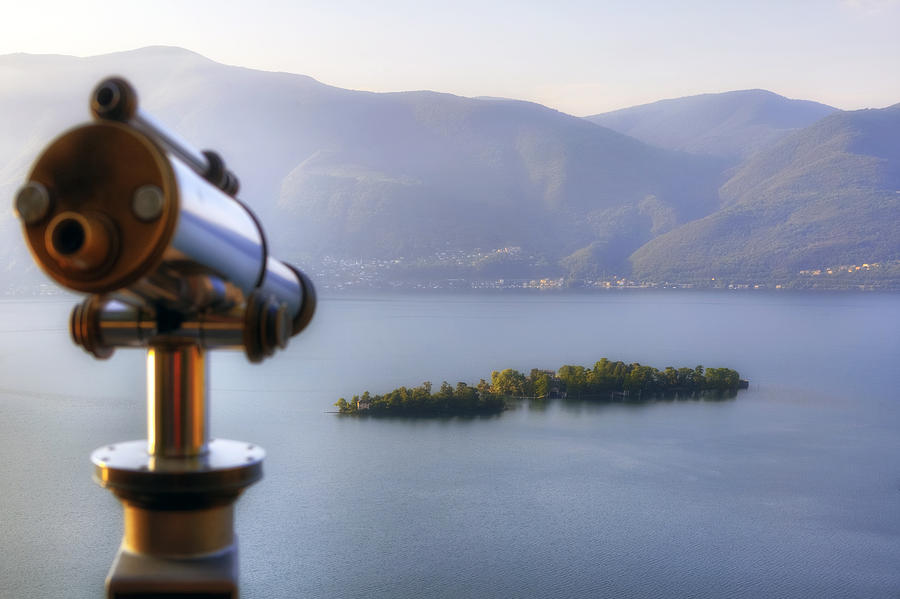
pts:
pixel 228 466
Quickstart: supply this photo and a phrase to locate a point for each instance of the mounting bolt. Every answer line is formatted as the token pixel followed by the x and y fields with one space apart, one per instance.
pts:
pixel 148 202
pixel 32 203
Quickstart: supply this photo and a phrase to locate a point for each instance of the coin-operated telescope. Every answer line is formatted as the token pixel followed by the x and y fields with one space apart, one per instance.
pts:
pixel 150 228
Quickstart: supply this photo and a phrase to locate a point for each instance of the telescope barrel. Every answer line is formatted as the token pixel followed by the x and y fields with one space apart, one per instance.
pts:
pixel 108 210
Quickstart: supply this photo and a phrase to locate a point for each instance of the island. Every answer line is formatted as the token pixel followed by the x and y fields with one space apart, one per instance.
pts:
pixel 605 381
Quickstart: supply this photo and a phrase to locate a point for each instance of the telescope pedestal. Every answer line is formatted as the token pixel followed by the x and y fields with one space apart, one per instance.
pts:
pixel 179 518
pixel 177 489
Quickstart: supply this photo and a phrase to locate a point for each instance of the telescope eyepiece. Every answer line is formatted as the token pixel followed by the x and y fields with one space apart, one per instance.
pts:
pixel 67 237
pixel 80 242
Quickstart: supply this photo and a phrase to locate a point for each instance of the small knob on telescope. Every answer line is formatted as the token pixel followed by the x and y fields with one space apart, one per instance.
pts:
pixel 267 326
pixel 84 326
pixel 217 174
pixel 114 99
pixel 308 309
pixel 33 203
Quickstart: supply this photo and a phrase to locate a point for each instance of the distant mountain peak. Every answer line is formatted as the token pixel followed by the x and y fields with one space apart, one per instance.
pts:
pixel 731 125
pixel 153 52
pixel 496 99
pixel 161 51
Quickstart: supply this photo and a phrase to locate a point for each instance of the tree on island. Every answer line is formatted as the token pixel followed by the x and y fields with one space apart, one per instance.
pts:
pixel 420 400
pixel 605 381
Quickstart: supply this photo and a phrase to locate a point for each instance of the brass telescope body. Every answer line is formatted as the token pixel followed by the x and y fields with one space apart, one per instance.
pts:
pixel 122 210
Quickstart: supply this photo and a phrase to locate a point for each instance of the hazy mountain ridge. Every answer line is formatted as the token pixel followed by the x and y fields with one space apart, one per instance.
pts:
pixel 826 195
pixel 870 135
pixel 340 174
pixel 459 173
pixel 732 125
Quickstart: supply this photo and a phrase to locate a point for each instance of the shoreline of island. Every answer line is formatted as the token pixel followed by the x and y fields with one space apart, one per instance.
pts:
pixel 605 382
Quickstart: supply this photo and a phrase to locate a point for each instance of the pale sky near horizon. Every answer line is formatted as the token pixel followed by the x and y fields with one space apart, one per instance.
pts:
pixel 579 56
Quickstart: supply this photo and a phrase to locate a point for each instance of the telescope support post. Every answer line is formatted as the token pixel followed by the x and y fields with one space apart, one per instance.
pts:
pixel 177 414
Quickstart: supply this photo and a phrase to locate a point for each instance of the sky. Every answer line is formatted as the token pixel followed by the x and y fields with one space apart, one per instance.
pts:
pixel 580 56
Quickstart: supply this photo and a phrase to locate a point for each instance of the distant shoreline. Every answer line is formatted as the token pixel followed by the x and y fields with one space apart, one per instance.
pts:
pixel 376 293
pixel 438 287
pixel 50 291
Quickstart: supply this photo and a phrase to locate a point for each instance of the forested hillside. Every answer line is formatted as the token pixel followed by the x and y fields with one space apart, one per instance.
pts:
pixel 825 196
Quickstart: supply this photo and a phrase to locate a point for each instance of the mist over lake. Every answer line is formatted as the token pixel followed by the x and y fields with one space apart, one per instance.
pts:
pixel 791 489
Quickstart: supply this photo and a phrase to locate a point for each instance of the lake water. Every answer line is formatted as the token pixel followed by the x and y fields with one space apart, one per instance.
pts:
pixel 790 490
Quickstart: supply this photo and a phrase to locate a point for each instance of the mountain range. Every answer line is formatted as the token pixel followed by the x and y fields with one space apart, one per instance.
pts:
pixel 732 125
pixel 745 186
pixel 826 195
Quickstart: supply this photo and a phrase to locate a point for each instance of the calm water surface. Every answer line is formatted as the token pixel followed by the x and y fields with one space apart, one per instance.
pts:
pixel 791 490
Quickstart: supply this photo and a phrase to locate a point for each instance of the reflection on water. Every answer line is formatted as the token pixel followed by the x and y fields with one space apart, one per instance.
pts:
pixel 590 406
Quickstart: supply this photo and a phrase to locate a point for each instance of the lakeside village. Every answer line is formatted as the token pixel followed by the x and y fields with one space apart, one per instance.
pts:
pixel 476 269
pixel 473 269
pixel 606 382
